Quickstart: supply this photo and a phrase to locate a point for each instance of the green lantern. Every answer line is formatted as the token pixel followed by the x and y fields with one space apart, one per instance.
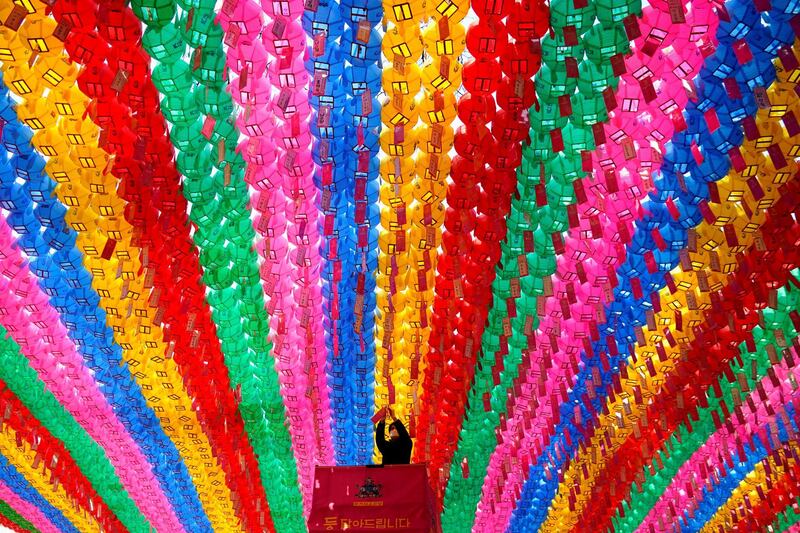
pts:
pixel 153 12
pixel 202 32
pixel 593 79
pixel 187 137
pixel 611 12
pixel 563 13
pixel 173 78
pixel 163 44
pixel 553 82
pixel 604 43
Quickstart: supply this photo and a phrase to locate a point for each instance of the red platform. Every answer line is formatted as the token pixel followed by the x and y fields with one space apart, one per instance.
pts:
pixel 363 499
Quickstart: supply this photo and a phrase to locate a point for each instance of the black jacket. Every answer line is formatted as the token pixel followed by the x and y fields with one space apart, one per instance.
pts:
pixel 395 452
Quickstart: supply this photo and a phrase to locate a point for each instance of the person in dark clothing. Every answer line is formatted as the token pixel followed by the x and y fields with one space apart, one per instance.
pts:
pixel 397 450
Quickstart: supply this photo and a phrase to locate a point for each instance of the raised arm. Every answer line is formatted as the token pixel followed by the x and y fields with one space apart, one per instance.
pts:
pixel 380 438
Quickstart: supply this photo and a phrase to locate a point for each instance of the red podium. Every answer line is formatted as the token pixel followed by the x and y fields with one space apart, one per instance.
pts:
pixel 365 499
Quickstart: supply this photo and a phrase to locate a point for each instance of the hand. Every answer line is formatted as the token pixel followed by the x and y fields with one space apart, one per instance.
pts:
pixel 391 413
